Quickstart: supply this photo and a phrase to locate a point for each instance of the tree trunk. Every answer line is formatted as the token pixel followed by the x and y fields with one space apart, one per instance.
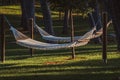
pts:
pixel 72 33
pixel 30 8
pixel 115 11
pixel 27 7
pixel 47 16
pixel 107 9
pixel 66 21
pixel 24 15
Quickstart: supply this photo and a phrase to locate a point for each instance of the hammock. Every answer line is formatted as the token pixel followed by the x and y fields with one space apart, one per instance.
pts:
pixel 100 31
pixel 49 37
pixel 25 41
pixel 52 38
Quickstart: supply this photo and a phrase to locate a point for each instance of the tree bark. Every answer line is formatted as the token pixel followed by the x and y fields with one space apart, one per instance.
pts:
pixel 66 21
pixel 27 7
pixel 24 15
pixel 47 16
pixel 115 12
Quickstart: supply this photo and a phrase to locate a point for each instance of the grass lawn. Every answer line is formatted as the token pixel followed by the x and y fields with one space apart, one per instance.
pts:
pixel 56 64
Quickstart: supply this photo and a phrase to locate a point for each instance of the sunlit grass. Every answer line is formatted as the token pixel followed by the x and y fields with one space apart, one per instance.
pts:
pixel 10 10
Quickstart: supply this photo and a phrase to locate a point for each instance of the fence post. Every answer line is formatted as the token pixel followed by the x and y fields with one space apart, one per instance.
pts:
pixel 2 38
pixel 72 33
pixel 104 53
pixel 31 26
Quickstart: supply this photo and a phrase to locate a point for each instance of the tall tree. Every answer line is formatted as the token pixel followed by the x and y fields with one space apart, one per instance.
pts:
pixel 115 14
pixel 47 16
pixel 24 15
pixel 28 10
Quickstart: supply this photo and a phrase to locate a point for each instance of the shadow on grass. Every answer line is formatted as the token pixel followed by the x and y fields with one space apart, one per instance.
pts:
pixel 92 70
pixel 65 77
pixel 91 63
pixel 17 52
pixel 80 50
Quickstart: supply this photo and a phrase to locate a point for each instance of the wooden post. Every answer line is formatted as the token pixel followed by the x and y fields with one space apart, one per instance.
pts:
pixel 72 33
pixel 31 26
pixel 2 38
pixel 104 54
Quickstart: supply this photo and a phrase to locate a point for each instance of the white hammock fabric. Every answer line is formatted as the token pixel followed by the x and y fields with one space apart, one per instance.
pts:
pixel 49 37
pixel 25 41
pixel 100 31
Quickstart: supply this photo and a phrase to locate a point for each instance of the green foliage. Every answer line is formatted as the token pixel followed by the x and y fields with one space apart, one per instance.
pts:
pixel 76 5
